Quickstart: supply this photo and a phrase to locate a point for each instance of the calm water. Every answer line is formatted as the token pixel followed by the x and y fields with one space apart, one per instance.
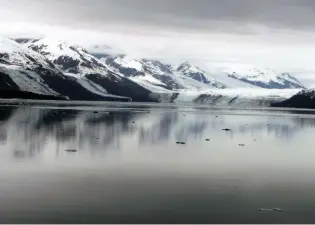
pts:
pixel 129 169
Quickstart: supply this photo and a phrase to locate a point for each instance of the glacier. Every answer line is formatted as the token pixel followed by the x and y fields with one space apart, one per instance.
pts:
pixel 231 97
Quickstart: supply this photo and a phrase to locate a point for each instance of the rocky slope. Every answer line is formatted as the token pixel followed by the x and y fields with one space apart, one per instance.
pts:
pixel 90 72
pixel 159 76
pixel 22 69
pixel 186 69
pixel 303 99
pixel 50 67
pixel 262 77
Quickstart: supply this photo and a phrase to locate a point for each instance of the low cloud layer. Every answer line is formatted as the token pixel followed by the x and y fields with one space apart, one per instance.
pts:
pixel 203 15
pixel 271 33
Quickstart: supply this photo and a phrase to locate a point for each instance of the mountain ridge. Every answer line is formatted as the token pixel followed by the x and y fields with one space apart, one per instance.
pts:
pixel 62 69
pixel 165 75
pixel 76 62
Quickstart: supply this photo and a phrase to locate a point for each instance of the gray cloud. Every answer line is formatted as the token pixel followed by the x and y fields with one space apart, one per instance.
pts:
pixel 203 31
pixel 205 15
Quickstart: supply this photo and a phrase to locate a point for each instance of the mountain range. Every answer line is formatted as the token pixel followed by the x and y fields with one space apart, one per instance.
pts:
pixel 50 67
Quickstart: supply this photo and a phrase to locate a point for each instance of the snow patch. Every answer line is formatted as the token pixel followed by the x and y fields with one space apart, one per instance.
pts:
pixel 129 63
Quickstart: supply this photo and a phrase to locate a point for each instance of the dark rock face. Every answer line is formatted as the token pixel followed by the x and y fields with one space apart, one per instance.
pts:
pixel 202 78
pixel 123 87
pixel 170 83
pixel 67 87
pixel 199 77
pixel 39 49
pixel 130 72
pixel 303 99
pixel 67 63
pixel 6 83
pixel 8 89
pixel 25 40
pixel 27 95
pixel 4 56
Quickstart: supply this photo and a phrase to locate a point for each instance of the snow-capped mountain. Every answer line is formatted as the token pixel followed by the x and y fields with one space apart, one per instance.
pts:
pixel 262 77
pixel 91 73
pixel 158 76
pixel 25 70
pixel 51 67
pixel 68 58
pixel 189 70
pixel 150 74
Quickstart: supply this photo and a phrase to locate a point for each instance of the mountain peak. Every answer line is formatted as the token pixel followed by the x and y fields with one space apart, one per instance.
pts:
pixel 262 77
pixel 71 59
pixel 186 63
pixel 189 66
pixel 13 53
pixel 54 47
pixel 189 70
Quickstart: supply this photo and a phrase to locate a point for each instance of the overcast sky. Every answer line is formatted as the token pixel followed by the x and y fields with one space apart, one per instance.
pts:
pixel 273 33
pixel 194 15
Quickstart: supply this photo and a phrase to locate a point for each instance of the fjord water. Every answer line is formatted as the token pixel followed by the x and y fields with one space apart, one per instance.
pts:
pixel 128 167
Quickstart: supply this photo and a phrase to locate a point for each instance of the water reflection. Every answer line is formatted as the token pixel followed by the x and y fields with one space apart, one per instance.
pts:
pixel 129 169
pixel 26 132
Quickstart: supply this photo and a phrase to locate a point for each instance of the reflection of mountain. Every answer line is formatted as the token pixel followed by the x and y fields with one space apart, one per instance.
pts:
pixel 6 112
pixel 28 131
pixel 173 126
